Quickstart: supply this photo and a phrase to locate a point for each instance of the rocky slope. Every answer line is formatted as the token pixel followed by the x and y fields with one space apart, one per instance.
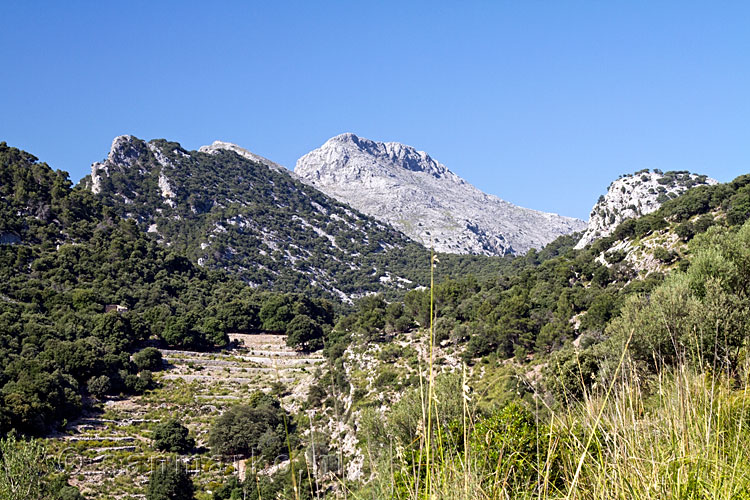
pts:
pixel 634 195
pixel 227 208
pixel 410 190
pixel 217 146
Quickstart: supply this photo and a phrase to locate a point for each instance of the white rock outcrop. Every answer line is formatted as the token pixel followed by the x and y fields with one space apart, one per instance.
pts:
pixel 121 152
pixel 634 195
pixel 228 146
pixel 408 189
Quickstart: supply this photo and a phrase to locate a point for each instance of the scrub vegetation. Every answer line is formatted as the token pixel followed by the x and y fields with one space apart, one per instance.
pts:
pixel 615 371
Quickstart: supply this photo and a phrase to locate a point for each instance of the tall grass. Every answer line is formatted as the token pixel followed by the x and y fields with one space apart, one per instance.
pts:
pixel 685 438
pixel 680 432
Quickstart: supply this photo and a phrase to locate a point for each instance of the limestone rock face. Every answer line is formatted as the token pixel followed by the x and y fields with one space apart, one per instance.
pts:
pixel 228 146
pixel 410 190
pixel 634 195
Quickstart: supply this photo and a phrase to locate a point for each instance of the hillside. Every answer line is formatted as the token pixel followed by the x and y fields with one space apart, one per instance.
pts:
pixel 418 195
pixel 637 194
pixel 81 288
pixel 513 353
pixel 548 334
pixel 228 209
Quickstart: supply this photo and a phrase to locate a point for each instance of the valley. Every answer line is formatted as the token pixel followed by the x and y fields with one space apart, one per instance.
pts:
pixel 160 335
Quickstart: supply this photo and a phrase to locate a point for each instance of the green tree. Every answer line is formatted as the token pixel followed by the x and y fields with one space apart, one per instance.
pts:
pixel 304 333
pixel 26 473
pixel 24 469
pixel 256 428
pixel 275 313
pixel 172 436
pixel 148 359
pixel 99 386
pixel 170 481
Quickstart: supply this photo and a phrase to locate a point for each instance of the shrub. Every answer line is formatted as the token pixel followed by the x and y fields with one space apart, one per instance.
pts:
pixel 304 333
pixel 664 255
pixel 256 428
pixel 148 359
pixel 170 481
pixel 99 386
pixel 173 436
pixel 505 445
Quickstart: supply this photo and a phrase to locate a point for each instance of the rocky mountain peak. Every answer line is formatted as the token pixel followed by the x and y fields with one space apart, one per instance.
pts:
pixel 125 149
pixel 634 195
pixel 383 155
pixel 407 188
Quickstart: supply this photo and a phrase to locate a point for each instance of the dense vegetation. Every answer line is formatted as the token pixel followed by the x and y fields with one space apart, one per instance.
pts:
pixel 527 309
pixel 646 403
pixel 258 429
pixel 172 436
pixel 27 472
pixel 651 403
pixel 66 259
pixel 264 226
pixel 170 481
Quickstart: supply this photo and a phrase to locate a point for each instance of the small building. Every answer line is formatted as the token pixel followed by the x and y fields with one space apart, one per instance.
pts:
pixel 116 308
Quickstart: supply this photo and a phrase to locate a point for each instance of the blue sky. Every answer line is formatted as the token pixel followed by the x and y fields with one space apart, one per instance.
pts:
pixel 542 103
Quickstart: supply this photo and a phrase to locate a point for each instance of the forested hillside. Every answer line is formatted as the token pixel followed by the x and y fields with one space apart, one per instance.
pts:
pixel 64 259
pixel 225 211
pixel 666 291
pixel 512 377
pixel 541 302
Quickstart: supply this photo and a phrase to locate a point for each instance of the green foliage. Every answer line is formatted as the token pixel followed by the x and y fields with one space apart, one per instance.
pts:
pixel 99 386
pixel 27 473
pixel 232 489
pixel 170 481
pixel 664 255
pixel 255 429
pixel 304 333
pixel 70 258
pixel 507 445
pixel 172 436
pixel 698 315
pixel 404 423
pixel 148 358
pixel 238 215
pixel 24 469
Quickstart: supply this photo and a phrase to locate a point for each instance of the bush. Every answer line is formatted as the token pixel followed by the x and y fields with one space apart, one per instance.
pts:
pixel 173 436
pixel 254 429
pixel 27 473
pixel 99 386
pixel 148 359
pixel 664 255
pixel 505 445
pixel 685 231
pixel 170 481
pixel 230 490
pixel 304 333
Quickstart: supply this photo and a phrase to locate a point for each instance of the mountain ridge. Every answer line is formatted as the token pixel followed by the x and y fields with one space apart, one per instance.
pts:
pixel 231 209
pixel 407 188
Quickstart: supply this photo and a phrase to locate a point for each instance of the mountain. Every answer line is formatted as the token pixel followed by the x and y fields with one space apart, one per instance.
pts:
pixel 634 195
pixel 228 146
pixel 230 209
pixel 407 188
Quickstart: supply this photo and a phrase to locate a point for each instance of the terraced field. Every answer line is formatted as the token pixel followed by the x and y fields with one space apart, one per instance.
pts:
pixel 109 454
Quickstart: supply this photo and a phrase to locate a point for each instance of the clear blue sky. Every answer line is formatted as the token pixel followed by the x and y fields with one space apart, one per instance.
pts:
pixel 542 103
